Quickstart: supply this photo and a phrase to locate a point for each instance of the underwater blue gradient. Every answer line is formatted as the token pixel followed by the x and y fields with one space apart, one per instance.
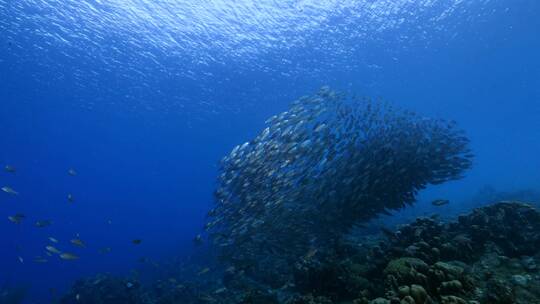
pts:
pixel 142 99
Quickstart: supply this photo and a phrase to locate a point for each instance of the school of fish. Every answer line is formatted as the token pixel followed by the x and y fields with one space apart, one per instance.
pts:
pixel 328 163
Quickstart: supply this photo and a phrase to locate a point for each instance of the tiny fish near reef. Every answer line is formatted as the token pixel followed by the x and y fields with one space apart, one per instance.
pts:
pixel 326 164
pixel 440 202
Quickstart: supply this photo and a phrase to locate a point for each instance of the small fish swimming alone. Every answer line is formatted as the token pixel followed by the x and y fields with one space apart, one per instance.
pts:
pixel 70 198
pixel 69 256
pixel 43 223
pixel 10 169
pixel 137 241
pixel 311 253
pixel 72 172
pixel 17 218
pixel 440 202
pixel 435 216
pixel 77 242
pixel 207 299
pixel 53 240
pixel 9 190
pixel 40 259
pixel 203 271
pixel 20 259
pixel 198 240
pixel 52 249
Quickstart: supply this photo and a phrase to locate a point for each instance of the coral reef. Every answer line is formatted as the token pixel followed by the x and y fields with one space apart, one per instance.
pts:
pixel 490 256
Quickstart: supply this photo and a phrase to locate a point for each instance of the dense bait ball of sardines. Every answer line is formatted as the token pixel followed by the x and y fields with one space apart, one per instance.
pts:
pixel 327 163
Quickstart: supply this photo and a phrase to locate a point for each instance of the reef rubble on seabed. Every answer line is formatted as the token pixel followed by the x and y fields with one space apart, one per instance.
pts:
pixel 491 255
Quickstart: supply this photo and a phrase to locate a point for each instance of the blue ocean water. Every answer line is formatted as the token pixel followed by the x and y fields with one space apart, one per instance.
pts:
pixel 143 98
